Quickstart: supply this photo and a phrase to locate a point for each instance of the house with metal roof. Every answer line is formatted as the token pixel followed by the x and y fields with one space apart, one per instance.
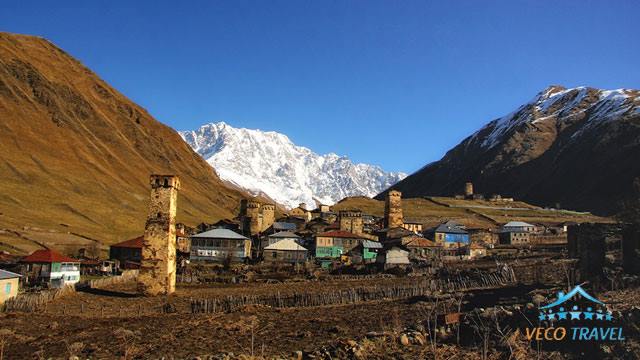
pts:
pixel 332 244
pixel 286 250
pixel 519 226
pixel 220 245
pixel 365 252
pixel 282 235
pixel 127 254
pixel 9 283
pixel 52 268
pixel 451 234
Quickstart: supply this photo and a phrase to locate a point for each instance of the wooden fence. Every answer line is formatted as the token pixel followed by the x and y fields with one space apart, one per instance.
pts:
pixel 30 302
pixel 37 301
pixel 504 277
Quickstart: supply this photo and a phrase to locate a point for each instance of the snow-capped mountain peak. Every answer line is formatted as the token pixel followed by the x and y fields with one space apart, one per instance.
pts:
pixel 269 162
pixel 566 103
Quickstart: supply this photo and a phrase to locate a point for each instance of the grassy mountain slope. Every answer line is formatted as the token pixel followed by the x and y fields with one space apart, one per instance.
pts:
pixel 75 155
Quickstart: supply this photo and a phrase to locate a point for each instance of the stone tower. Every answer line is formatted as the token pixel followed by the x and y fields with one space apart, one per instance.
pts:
pixel 255 220
pixel 393 210
pixel 468 189
pixel 351 221
pixel 158 259
pixel 268 215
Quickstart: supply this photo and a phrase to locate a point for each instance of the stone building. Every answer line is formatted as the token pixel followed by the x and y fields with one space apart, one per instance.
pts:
pixel 468 189
pixel 413 226
pixel 158 261
pixel 393 209
pixel 268 216
pixel 220 245
pixel 301 212
pixel 351 221
pixel 255 217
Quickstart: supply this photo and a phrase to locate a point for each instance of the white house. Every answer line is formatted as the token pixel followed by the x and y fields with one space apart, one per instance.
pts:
pixel 50 267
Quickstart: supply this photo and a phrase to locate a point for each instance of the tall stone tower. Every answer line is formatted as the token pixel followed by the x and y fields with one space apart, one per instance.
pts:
pixel 468 189
pixel 158 261
pixel 253 212
pixel 393 210
pixel 351 221
pixel 268 215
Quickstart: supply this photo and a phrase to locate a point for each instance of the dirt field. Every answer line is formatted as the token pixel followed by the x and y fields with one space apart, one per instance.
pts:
pixel 116 323
pixel 276 332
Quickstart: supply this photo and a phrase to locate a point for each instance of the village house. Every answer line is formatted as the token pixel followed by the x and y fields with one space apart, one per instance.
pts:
pixel 333 244
pixel 413 226
pixel 476 251
pixel 482 235
pixel 299 222
pixel 9 283
pixel 516 233
pixel 51 268
pixel 279 226
pixel 127 254
pixel 282 235
pixel 286 250
pixel 366 252
pixel 451 234
pixel 421 248
pixel 301 212
pixel 220 245
pixel 317 225
pixel 393 256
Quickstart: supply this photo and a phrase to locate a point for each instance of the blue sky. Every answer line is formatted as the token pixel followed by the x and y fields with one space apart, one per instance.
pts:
pixel 393 83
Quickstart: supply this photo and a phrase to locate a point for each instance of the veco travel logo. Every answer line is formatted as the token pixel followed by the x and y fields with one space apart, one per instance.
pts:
pixel 580 319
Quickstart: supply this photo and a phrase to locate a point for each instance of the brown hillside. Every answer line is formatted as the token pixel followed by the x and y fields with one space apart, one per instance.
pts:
pixel 75 155
pixel 432 211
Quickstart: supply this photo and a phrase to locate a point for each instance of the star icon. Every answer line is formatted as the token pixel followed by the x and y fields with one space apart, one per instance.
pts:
pixel 575 315
pixel 599 316
pixel 608 317
pixel 588 316
pixel 542 316
pixel 562 315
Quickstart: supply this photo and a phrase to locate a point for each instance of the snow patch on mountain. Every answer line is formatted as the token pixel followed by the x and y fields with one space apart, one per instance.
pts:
pixel 611 104
pixel 268 162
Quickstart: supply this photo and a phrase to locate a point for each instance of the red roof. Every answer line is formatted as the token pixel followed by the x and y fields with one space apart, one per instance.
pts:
pixel 340 234
pixel 131 244
pixel 47 256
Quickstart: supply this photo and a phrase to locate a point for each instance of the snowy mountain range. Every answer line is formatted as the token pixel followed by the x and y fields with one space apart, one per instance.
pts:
pixel 267 162
pixel 577 147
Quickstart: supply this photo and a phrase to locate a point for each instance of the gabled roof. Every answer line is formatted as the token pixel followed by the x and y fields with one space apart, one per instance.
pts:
pixel 285 234
pixel 220 234
pixel 286 244
pixel 517 224
pixel 4 274
pixel 451 227
pixel 420 242
pixel 339 234
pixel 280 225
pixel 135 243
pixel 371 244
pixel 47 256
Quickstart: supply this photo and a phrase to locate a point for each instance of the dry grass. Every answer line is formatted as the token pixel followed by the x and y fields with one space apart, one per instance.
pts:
pixel 75 151
pixel 472 213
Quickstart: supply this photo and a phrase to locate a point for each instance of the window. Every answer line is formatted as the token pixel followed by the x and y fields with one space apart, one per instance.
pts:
pixel 7 288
